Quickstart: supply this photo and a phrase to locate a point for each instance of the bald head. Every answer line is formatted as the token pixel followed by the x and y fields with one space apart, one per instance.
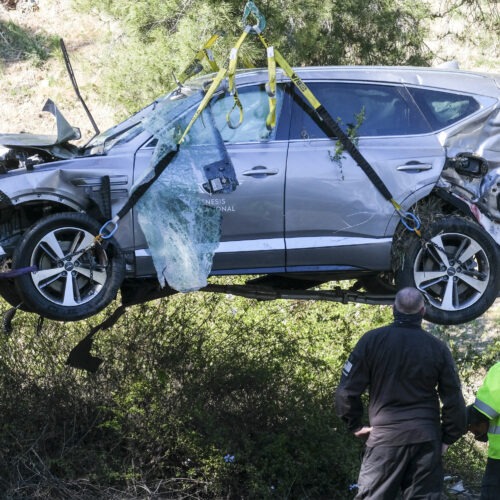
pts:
pixel 409 301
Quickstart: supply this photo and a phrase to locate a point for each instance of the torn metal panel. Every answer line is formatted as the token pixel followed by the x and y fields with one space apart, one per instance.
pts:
pixel 480 136
pixel 472 172
pixel 56 145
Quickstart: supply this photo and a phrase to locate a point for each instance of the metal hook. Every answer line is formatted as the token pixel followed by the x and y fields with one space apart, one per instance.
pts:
pixel 252 9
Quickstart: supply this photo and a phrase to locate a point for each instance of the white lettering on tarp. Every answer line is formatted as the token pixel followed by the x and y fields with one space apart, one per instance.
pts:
pixel 219 204
pixel 214 202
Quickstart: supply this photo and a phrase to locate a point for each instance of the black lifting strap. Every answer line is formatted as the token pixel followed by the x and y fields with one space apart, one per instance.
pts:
pixel 335 131
pixel 142 188
pixel 80 356
pixel 328 124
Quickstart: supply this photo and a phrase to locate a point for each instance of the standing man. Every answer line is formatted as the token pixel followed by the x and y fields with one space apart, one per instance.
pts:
pixel 484 422
pixel 407 372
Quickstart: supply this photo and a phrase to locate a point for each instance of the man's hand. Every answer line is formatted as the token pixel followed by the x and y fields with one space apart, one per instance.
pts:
pixel 364 432
pixel 444 448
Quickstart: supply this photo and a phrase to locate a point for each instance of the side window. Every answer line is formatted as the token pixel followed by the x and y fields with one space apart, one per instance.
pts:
pixel 382 108
pixel 255 102
pixel 443 108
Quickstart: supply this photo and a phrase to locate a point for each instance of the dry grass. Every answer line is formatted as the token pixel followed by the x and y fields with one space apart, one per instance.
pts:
pixel 25 87
pixel 458 36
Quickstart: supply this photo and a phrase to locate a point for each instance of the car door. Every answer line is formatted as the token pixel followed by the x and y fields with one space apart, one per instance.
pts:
pixel 335 218
pixel 252 238
pixel 252 231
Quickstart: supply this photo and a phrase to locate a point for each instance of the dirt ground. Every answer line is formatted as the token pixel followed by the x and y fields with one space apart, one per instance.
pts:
pixel 89 39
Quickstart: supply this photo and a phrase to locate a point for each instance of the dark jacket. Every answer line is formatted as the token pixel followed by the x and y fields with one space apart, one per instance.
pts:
pixel 407 371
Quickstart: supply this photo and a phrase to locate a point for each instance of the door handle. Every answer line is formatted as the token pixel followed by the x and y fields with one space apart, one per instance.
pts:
pixel 260 171
pixel 413 166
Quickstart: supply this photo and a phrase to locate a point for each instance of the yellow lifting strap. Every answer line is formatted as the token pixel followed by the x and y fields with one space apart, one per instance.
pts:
pixel 291 74
pixel 231 72
pixel 194 66
pixel 271 88
pixel 210 92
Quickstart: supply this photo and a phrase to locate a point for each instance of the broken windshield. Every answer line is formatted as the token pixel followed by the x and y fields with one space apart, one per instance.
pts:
pixel 132 126
pixel 182 231
pixel 117 134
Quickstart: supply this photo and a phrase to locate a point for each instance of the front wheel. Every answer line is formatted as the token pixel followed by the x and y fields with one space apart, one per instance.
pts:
pixel 76 276
pixel 455 266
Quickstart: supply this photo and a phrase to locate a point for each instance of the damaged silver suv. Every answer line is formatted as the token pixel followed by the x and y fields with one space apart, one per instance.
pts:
pixel 287 206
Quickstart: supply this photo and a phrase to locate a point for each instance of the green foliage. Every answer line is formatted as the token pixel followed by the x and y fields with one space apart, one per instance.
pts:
pixel 352 133
pixel 186 381
pixel 16 44
pixel 474 348
pixel 163 36
pixel 200 395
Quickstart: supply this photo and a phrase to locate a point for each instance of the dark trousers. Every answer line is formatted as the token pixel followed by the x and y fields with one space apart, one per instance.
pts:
pixel 414 471
pixel 490 488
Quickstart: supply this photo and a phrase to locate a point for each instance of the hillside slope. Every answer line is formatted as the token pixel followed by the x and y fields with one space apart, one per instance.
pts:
pixel 25 85
pixel 91 40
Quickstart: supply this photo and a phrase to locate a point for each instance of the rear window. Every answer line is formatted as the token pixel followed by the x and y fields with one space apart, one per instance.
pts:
pixel 443 108
pixel 380 110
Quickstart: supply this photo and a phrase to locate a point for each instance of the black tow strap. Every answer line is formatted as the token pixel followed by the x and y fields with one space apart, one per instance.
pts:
pixel 141 189
pixel 335 131
pixel 80 356
pixel 109 228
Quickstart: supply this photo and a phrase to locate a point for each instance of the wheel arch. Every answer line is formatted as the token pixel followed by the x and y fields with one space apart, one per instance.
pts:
pixel 18 217
pixel 437 203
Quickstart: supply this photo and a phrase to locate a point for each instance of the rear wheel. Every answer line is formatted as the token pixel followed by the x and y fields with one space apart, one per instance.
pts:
pixel 76 276
pixel 455 266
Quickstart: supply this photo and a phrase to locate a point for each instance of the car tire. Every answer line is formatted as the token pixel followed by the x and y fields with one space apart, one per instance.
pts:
pixel 456 290
pixel 70 284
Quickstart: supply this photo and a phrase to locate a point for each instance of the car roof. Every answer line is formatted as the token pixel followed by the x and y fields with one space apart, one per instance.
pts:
pixel 443 78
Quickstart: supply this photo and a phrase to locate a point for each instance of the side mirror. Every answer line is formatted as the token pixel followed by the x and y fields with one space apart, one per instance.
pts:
pixel 469 165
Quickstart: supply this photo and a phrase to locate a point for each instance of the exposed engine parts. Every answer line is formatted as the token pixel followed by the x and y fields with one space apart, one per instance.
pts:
pixel 12 159
pixel 472 179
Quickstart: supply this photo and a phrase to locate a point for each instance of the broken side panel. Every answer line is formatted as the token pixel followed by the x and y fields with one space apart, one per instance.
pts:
pixel 182 231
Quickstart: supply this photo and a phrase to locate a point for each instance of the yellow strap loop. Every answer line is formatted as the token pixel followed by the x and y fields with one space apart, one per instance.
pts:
pixel 271 88
pixel 213 87
pixel 231 73
pixel 206 99
pixel 237 104
pixel 292 75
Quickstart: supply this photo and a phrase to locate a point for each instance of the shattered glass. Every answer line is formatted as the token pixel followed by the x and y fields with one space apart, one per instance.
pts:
pixel 181 229
pixel 255 103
